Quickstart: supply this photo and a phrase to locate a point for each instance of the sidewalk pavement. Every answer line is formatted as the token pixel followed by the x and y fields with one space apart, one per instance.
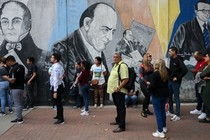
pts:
pixel 38 125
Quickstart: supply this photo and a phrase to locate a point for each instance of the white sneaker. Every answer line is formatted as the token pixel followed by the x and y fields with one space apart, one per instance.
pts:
pixel 165 129
pixel 169 114
pixel 82 110
pixel 101 106
pixel 95 106
pixel 158 134
pixel 175 118
pixel 195 112
pixel 85 113
pixel 202 116
pixel 2 114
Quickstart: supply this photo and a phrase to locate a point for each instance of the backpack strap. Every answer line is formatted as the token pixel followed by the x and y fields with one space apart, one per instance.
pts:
pixel 118 71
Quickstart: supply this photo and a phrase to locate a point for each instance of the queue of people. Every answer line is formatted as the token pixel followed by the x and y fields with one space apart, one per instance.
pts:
pixel 156 81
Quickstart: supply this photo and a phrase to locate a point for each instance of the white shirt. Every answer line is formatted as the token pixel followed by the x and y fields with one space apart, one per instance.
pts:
pixel 56 76
pixel 98 73
pixel 201 24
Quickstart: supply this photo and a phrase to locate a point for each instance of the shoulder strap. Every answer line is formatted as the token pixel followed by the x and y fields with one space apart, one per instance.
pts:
pixel 118 71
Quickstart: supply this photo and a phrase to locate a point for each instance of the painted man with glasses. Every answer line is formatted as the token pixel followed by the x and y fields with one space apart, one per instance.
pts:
pixel 194 35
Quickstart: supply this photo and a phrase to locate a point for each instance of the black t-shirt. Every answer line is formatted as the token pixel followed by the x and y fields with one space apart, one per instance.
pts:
pixel 31 69
pixel 17 71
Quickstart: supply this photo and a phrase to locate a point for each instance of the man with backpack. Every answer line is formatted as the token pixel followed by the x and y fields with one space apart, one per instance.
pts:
pixel 116 82
pixel 16 84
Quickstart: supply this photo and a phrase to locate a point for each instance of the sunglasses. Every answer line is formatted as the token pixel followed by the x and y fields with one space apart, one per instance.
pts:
pixel 149 56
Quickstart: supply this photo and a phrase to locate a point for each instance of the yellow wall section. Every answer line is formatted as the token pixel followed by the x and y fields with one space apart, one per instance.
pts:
pixel 164 13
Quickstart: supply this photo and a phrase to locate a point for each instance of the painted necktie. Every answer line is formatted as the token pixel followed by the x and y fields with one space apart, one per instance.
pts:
pixel 205 35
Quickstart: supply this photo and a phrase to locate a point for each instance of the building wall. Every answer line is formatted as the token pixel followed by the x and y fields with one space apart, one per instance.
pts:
pixel 153 23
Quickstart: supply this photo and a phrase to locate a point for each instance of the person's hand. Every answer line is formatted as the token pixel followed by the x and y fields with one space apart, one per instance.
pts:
pixel 117 89
pixel 55 95
pixel 174 79
pixel 206 78
pixel 148 83
pixel 28 83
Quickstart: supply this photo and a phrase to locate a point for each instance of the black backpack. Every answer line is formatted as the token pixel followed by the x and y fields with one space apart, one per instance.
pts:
pixel 131 75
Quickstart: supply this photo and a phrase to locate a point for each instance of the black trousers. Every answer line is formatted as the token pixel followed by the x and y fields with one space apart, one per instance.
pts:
pixel 119 102
pixel 58 102
pixel 29 101
pixel 146 100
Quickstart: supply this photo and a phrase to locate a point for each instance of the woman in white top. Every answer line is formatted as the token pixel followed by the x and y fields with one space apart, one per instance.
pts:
pixel 98 71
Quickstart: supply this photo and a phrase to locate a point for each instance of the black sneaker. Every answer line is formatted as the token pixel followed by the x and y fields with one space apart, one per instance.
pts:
pixel 148 112
pixel 143 114
pixel 55 117
pixel 59 122
pixel 17 121
pixel 10 111
pixel 31 107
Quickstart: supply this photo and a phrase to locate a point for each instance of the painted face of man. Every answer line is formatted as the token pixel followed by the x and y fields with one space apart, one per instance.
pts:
pixel 129 35
pixel 203 11
pixel 12 23
pixel 102 27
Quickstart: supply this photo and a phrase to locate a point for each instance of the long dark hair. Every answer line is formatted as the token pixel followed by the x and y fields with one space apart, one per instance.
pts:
pixel 86 65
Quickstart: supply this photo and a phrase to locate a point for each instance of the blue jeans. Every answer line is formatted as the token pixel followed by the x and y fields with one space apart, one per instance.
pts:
pixel 4 86
pixel 199 99
pixel 160 113
pixel 131 99
pixel 174 90
pixel 9 100
pixel 85 89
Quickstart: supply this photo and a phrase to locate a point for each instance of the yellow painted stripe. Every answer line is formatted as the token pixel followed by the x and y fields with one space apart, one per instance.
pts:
pixel 164 13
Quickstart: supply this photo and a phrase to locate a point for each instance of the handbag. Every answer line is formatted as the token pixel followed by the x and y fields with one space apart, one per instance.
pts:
pixel 94 82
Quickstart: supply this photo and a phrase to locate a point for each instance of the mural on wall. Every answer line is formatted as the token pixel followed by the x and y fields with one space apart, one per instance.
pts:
pixel 15 27
pixel 16 24
pixel 79 30
pixel 95 37
pixel 97 26
pixel 191 33
pixel 135 43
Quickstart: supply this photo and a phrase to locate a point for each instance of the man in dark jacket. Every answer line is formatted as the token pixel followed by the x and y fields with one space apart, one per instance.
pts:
pixel 177 70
